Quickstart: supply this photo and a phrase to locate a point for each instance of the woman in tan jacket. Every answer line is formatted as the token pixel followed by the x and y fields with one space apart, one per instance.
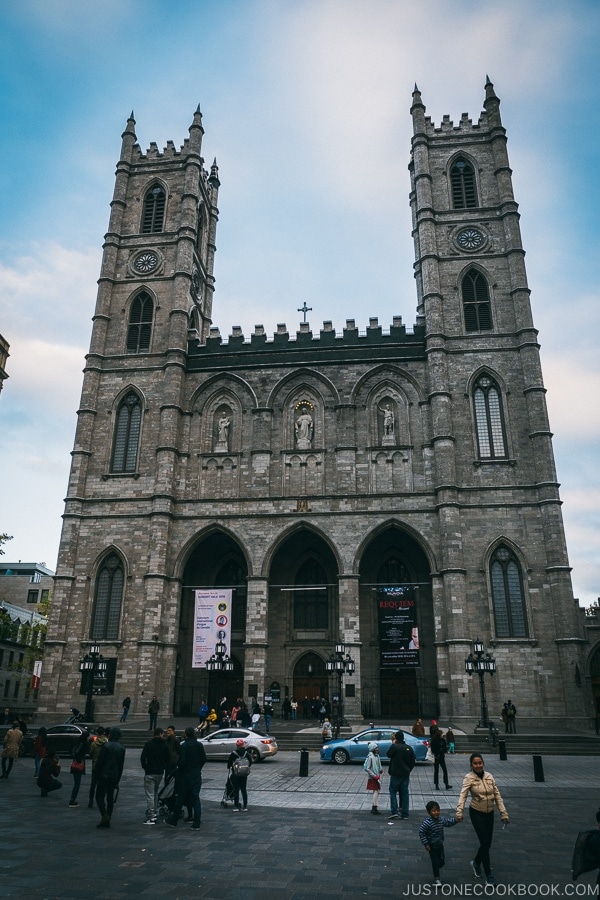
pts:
pixel 12 748
pixel 484 796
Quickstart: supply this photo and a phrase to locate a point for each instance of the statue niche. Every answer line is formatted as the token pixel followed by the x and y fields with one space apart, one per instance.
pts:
pixel 304 424
pixel 223 424
pixel 387 424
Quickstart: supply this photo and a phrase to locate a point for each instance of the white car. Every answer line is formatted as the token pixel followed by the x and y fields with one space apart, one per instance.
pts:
pixel 220 744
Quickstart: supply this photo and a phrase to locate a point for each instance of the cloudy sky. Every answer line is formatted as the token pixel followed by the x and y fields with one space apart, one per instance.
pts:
pixel 306 107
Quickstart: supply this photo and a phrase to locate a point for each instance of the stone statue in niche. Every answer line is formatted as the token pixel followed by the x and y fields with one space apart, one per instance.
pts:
pixel 223 426
pixel 303 428
pixel 388 436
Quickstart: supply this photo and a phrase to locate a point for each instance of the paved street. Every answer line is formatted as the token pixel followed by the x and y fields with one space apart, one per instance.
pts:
pixel 303 837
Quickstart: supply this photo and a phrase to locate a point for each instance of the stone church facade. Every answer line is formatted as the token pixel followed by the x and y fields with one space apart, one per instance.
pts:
pixel 306 471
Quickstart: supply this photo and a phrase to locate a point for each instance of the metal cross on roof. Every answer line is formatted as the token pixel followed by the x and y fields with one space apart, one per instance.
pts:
pixel 304 309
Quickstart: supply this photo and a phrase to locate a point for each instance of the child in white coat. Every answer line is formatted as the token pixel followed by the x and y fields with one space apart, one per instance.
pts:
pixel 374 769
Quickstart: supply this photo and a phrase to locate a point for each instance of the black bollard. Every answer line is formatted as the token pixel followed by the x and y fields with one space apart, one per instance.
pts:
pixel 303 773
pixel 538 769
pixel 502 749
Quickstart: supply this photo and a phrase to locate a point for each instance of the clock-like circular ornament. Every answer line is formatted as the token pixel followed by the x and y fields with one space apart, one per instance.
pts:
pixel 146 261
pixel 470 239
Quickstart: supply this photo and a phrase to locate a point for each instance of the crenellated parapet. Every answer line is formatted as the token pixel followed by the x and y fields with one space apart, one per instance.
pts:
pixel 170 153
pixel 327 338
pixel 465 125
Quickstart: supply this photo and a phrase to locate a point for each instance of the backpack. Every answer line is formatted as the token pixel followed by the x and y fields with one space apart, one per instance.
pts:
pixel 241 766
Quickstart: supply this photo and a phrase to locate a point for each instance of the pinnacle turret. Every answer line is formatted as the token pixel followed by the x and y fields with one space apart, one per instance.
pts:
pixel 417 111
pixel 128 138
pixel 214 174
pixel 196 131
pixel 491 103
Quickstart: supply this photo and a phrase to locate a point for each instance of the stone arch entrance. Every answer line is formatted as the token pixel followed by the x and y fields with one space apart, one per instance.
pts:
pixel 303 612
pixel 215 561
pixel 595 679
pixel 393 558
pixel 310 681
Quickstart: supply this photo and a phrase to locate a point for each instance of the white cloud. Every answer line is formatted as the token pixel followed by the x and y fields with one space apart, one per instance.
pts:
pixel 50 291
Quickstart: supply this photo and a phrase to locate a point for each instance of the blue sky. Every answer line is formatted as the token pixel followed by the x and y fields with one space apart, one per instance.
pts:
pixel 306 107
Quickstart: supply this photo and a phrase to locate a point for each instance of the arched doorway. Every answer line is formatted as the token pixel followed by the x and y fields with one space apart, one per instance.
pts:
pixel 398 687
pixel 595 679
pixel 394 559
pixel 216 561
pixel 310 680
pixel 303 614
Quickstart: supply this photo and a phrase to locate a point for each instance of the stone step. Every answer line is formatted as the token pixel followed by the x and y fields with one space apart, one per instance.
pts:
pixel 550 744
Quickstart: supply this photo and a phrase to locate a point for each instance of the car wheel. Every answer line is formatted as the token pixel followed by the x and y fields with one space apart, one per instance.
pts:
pixel 339 757
pixel 254 754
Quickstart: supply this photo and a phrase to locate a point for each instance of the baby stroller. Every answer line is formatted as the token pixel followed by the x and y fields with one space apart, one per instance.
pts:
pixel 228 792
pixel 167 799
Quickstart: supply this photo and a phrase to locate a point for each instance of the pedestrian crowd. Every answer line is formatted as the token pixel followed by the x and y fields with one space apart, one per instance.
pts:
pixel 172 780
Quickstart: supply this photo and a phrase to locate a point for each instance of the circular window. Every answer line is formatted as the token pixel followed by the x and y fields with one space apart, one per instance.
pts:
pixel 146 261
pixel 470 239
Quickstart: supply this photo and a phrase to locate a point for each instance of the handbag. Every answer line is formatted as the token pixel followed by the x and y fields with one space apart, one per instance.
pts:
pixel 429 757
pixel 77 766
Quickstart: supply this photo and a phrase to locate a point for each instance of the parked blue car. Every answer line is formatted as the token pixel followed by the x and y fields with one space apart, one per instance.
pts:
pixel 354 749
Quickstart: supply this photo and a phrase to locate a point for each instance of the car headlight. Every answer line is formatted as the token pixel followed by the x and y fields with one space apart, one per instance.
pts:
pixel 325 747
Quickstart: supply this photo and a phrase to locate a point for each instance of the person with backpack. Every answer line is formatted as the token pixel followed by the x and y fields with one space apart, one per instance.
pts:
pixel 402 762
pixel 239 763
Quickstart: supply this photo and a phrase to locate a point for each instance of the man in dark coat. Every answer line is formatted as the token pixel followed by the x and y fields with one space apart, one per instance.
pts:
pixel 402 762
pixel 154 760
pixel 188 779
pixel 109 768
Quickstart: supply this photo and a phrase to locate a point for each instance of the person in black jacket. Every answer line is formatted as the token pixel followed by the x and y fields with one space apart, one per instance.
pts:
pixel 439 748
pixel 188 778
pixel 402 761
pixel 49 769
pixel 109 768
pixel 154 760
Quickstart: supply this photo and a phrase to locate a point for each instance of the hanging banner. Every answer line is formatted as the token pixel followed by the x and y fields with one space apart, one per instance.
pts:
pixel 398 632
pixel 212 624
pixel 37 674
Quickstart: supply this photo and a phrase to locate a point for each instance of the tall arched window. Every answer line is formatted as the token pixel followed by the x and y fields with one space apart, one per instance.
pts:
pixel 311 597
pixel 109 595
pixel 462 182
pixel 476 302
pixel 140 324
pixel 489 421
pixel 393 572
pixel 507 594
pixel 153 215
pixel 127 434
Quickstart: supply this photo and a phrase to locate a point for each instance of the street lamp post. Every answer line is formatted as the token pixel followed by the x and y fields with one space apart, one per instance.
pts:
pixel 93 663
pixel 480 662
pixel 340 662
pixel 219 663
